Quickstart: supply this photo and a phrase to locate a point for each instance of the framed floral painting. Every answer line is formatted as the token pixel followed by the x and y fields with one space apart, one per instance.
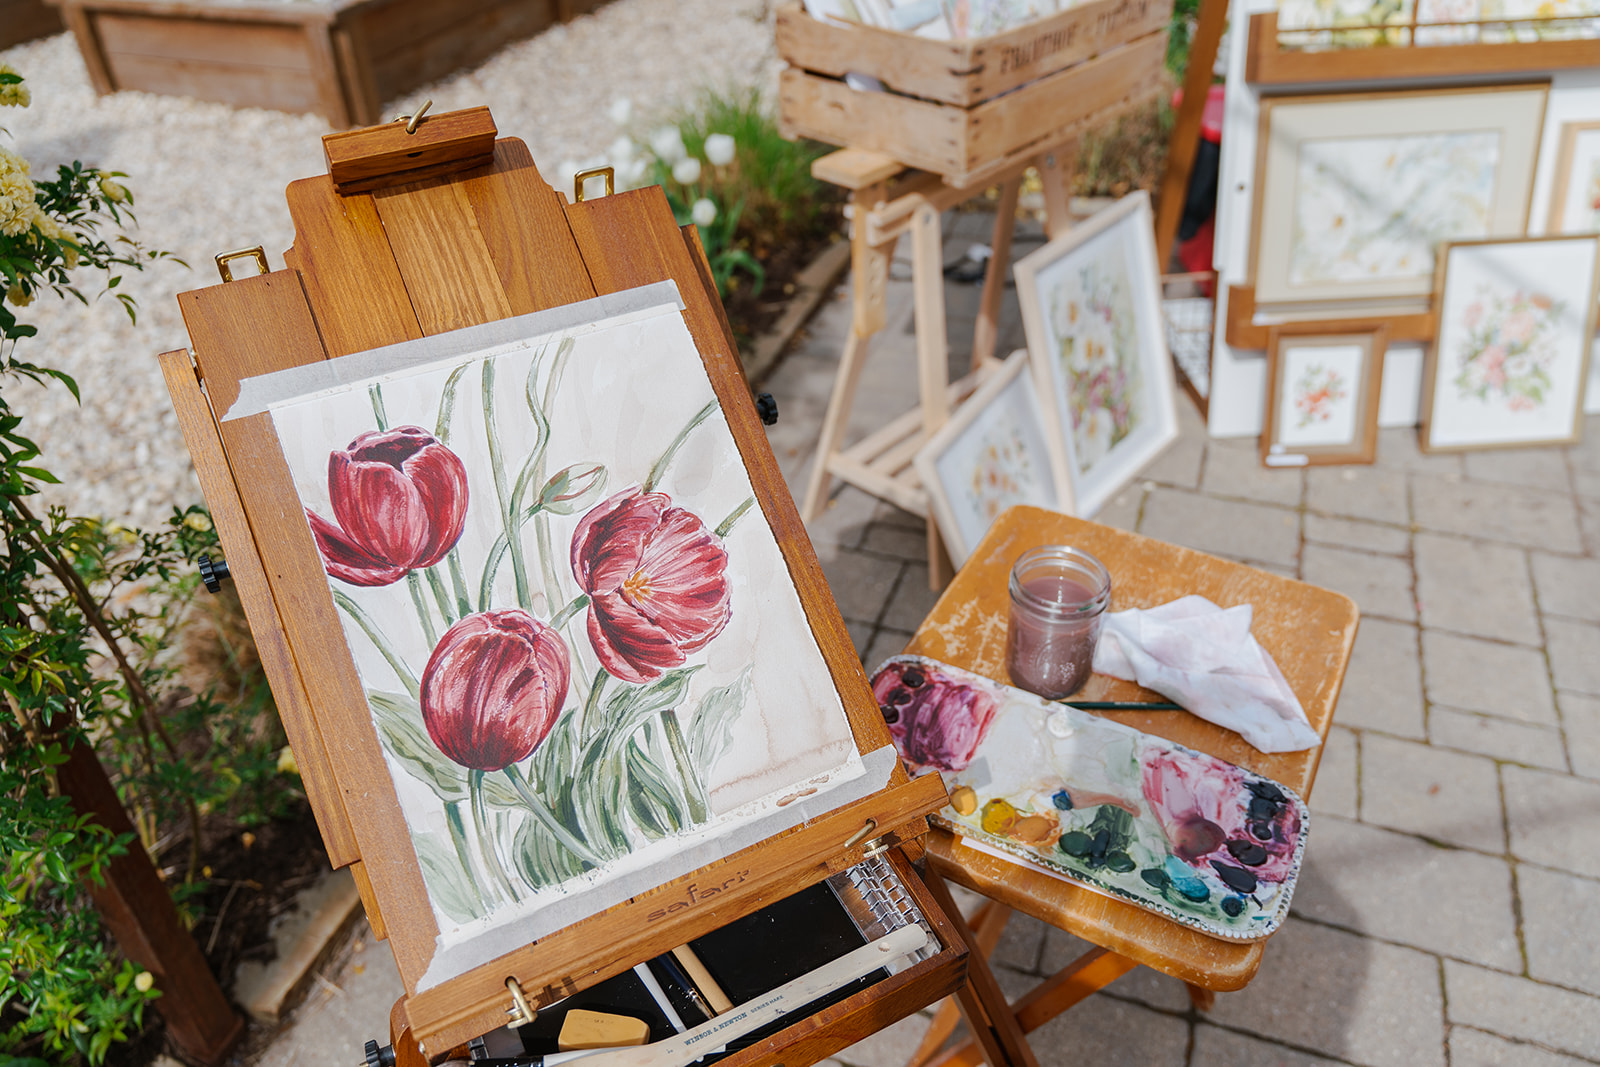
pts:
pixel 1355 190
pixel 1510 360
pixel 1322 395
pixel 1091 309
pixel 1575 197
pixel 585 667
pixel 993 453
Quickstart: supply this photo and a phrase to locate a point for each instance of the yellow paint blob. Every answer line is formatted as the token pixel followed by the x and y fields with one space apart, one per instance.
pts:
pixel 998 817
pixel 964 800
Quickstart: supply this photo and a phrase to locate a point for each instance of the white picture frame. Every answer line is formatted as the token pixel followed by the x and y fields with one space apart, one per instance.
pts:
pixel 1510 361
pixel 1335 170
pixel 1575 196
pixel 1091 310
pixel 994 452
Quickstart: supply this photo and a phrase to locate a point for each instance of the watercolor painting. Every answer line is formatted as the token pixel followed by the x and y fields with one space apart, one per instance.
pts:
pixel 993 453
pixel 577 635
pixel 1322 401
pixel 1091 303
pixel 1510 361
pixel 1575 195
pixel 1372 208
pixel 1199 840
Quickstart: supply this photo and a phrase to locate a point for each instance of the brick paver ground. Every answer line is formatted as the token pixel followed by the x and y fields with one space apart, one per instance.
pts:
pixel 1449 908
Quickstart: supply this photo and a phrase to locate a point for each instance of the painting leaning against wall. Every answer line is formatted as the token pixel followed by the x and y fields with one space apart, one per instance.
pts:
pixel 576 633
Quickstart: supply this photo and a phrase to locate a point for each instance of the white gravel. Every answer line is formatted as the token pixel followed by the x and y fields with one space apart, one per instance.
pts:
pixel 208 178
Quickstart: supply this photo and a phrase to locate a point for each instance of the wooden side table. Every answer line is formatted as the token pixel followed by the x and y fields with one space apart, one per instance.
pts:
pixel 1309 632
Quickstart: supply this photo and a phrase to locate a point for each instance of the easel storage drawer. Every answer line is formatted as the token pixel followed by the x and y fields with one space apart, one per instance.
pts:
pixel 965 108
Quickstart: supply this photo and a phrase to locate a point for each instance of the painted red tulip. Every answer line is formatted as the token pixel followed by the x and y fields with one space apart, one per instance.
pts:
pixel 1205 808
pixel 657 583
pixel 936 721
pixel 399 502
pixel 493 688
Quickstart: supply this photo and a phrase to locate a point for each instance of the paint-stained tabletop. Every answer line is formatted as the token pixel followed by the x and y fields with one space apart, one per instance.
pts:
pixel 1309 631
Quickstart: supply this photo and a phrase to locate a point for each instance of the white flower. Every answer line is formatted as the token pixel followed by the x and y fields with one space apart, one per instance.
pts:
pixel 11 163
pixel 667 143
pixel 621 110
pixel 704 212
pixel 719 149
pixel 686 171
pixel 13 94
pixel 111 190
pixel 631 175
pixel 622 150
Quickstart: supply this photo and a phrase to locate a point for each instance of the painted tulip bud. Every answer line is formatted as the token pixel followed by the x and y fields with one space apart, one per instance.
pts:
pixel 493 688
pixel 399 498
pixel 935 721
pixel 571 490
pixel 657 583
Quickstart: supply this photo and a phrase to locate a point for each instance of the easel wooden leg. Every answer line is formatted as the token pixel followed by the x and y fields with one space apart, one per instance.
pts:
pixel 1202 998
pixel 987 330
pixel 987 926
pixel 933 355
pixel 1055 174
pixel 869 284
pixel 997 1039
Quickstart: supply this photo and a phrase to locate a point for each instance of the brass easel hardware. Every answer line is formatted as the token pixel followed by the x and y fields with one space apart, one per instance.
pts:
pixel 224 258
pixel 593 172
pixel 877 847
pixel 522 1013
pixel 415 117
pixel 862 834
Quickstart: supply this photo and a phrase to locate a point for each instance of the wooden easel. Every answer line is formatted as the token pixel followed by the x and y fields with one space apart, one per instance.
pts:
pixel 417 233
pixel 888 199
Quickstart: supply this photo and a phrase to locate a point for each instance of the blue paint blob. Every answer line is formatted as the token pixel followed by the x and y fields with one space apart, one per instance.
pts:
pixel 1062 800
pixel 1185 881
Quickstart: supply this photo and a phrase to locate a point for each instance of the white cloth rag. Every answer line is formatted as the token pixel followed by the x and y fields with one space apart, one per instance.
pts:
pixel 1205 658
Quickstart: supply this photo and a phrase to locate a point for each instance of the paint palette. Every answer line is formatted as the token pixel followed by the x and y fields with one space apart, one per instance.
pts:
pixel 1200 840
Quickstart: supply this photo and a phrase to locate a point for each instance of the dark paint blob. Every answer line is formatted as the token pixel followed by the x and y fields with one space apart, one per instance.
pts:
pixel 1261 808
pixel 1267 791
pixel 1076 843
pixel 1120 862
pixel 1156 877
pixel 890 714
pixel 1062 800
pixel 1233 907
pixel 1261 831
pixel 1236 878
pixel 1196 837
pixel 900 696
pixel 913 678
pixel 1247 852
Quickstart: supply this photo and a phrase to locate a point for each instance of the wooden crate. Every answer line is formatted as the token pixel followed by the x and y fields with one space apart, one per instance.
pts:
pixel 23 20
pixel 967 109
pixel 341 58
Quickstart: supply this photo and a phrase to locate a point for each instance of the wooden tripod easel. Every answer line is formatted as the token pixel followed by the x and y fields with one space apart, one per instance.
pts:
pixel 888 199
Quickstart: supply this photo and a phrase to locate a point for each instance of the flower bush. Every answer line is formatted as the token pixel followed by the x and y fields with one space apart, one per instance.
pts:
pixel 91 621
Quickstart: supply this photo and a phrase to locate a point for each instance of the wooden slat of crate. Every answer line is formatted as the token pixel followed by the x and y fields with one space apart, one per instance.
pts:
pixel 24 20
pixel 965 144
pixel 965 73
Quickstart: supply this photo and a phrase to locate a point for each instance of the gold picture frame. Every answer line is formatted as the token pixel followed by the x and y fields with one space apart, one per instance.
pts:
pixel 1322 394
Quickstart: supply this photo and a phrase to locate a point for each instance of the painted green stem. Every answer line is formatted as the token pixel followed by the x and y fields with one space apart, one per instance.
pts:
pixel 519 567
pixel 589 721
pixel 578 604
pixel 414 583
pixel 480 821
pixel 458 582
pixel 458 838
pixel 381 643
pixel 660 467
pixel 680 755
pixel 441 595
pixel 375 392
pixel 548 820
pixel 734 516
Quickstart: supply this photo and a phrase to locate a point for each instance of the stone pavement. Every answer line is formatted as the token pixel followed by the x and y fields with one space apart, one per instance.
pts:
pixel 1449 908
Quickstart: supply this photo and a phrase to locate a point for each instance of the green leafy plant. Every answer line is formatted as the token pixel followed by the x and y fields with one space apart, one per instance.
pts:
pixel 90 615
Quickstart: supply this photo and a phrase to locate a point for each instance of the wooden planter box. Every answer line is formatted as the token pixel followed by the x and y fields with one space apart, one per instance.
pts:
pixel 968 109
pixel 338 58
pixel 23 20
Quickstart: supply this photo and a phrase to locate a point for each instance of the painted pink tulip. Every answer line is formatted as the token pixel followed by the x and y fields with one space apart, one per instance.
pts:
pixel 399 503
pixel 936 722
pixel 1209 812
pixel 493 688
pixel 657 583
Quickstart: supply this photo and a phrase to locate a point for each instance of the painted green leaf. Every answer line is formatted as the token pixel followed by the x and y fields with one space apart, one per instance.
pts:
pixel 399 722
pixel 711 730
pixel 651 800
pixel 448 884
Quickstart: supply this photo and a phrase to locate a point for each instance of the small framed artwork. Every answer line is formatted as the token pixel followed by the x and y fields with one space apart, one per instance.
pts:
pixel 993 453
pixel 1575 197
pixel 1091 310
pixel 1355 190
pixel 1322 394
pixel 1511 355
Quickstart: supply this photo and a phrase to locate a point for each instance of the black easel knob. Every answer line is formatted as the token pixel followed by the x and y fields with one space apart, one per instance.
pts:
pixel 213 573
pixel 767 408
pixel 379 1056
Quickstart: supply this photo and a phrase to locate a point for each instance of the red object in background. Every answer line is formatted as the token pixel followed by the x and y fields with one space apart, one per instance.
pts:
pixel 1195 253
pixel 1211 117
